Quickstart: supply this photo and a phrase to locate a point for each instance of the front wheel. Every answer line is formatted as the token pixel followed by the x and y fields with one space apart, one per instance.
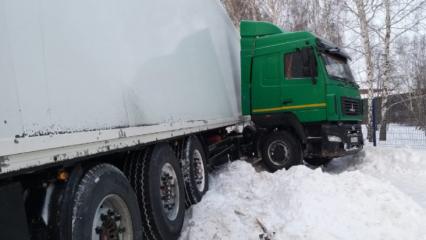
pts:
pixel 105 206
pixel 281 150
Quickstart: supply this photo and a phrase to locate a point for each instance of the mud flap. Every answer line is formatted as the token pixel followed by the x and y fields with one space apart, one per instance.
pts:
pixel 13 220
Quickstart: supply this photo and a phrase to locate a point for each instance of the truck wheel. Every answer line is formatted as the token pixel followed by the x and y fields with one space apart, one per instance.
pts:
pixel 281 150
pixel 105 206
pixel 157 178
pixel 194 168
pixel 61 209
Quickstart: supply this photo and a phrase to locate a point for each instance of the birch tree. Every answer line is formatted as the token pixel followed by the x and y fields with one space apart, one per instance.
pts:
pixel 359 9
pixel 379 24
pixel 401 16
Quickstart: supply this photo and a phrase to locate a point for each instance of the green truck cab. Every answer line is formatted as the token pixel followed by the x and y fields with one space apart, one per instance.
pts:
pixel 300 94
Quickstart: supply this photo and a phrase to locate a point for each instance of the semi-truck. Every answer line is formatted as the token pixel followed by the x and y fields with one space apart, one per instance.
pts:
pixel 300 93
pixel 113 113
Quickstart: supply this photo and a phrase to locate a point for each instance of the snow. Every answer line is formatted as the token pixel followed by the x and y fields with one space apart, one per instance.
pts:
pixel 404 168
pixel 378 194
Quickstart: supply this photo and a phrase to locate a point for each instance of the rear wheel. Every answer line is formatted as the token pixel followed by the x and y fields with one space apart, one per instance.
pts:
pixel 281 150
pixel 105 206
pixel 195 171
pixel 156 176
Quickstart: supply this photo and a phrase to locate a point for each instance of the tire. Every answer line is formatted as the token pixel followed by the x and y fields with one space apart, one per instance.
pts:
pixel 61 209
pixel 105 206
pixel 194 168
pixel 145 171
pixel 281 150
pixel 318 161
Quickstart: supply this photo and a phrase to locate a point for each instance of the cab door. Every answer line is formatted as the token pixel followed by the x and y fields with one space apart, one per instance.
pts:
pixel 302 90
pixel 266 84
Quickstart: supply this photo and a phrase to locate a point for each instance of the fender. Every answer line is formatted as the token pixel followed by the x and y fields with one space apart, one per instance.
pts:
pixel 281 120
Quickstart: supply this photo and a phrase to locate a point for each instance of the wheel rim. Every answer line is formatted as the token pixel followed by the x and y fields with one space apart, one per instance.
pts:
pixel 199 172
pixel 112 220
pixel 278 152
pixel 169 191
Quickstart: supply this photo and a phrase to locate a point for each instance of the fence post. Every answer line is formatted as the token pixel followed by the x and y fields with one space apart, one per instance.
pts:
pixel 374 121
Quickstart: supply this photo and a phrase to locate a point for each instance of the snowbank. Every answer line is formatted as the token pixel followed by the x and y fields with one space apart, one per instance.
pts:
pixel 310 204
pixel 405 168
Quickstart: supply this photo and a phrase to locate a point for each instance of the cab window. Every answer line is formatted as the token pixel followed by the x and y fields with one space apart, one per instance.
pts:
pixel 299 64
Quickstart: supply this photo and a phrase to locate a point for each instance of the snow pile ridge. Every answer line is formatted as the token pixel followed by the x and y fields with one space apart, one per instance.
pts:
pixel 303 204
pixel 403 160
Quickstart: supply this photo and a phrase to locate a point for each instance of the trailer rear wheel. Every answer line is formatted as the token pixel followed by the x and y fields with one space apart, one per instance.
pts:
pixel 157 178
pixel 281 150
pixel 105 206
pixel 195 171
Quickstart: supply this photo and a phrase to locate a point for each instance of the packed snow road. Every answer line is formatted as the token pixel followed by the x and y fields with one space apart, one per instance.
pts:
pixel 380 194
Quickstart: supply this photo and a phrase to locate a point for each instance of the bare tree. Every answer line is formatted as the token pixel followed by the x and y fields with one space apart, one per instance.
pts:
pixel 360 10
pixel 274 11
pixel 322 17
pixel 386 73
pixel 242 10
pixel 328 20
pixel 379 24
pixel 418 68
pixel 400 17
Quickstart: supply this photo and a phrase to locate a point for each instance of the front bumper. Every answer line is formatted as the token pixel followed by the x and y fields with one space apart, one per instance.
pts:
pixel 340 139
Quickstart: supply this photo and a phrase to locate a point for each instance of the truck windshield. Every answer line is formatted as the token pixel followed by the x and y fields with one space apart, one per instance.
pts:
pixel 337 67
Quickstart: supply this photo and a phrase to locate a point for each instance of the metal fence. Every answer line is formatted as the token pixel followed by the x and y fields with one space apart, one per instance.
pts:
pixel 402 136
pixel 400 132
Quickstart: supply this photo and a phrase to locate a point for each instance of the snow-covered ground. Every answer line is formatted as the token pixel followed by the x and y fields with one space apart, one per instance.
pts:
pixel 379 194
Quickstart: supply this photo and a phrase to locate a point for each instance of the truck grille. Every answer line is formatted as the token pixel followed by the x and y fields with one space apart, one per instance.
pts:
pixel 351 106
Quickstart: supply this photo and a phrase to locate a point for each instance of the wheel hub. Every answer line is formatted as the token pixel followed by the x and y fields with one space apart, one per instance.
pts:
pixel 199 173
pixel 110 229
pixel 278 152
pixel 112 220
pixel 169 191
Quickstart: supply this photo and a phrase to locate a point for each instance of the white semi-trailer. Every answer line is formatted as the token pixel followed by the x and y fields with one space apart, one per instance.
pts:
pixel 109 113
